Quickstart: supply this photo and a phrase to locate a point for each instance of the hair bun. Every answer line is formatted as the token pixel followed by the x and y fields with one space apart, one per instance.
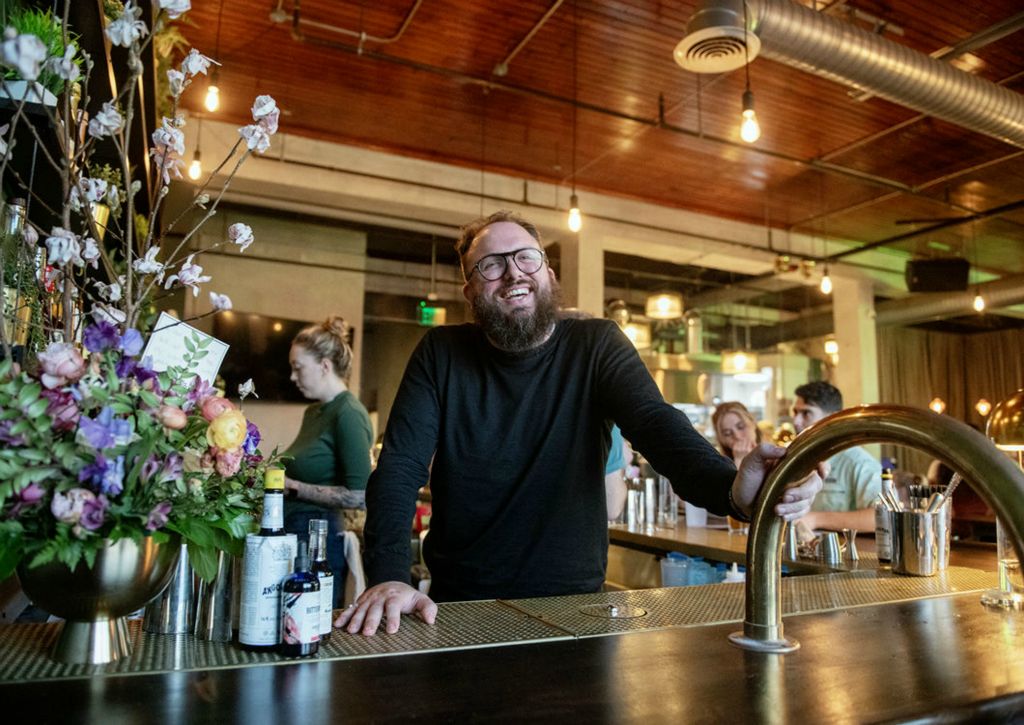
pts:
pixel 336 325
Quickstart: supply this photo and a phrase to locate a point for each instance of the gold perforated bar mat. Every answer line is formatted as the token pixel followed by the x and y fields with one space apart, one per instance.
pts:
pixel 719 603
pixel 25 648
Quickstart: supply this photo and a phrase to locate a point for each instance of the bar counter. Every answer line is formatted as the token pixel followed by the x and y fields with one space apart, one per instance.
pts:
pixel 874 647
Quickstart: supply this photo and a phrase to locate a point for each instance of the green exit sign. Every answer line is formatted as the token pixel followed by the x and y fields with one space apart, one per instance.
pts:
pixel 430 316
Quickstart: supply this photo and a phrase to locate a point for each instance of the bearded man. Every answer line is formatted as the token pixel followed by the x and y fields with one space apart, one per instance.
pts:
pixel 510 418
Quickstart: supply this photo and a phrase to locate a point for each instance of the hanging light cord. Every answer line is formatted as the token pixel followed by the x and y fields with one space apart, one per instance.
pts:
pixel 575 86
pixel 746 48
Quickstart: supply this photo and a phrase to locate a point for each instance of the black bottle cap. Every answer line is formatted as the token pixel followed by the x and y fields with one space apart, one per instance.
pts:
pixel 302 557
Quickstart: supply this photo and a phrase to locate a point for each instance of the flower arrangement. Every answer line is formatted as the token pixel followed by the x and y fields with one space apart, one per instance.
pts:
pixel 97 444
pixel 105 448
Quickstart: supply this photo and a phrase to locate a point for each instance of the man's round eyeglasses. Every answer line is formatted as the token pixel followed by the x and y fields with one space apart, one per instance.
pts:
pixel 493 266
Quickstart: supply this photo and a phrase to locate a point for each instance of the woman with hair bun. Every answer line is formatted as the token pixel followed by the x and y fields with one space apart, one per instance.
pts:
pixel 330 457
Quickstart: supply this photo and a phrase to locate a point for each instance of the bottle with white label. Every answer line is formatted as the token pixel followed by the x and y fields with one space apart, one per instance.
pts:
pixel 268 559
pixel 883 522
pixel 300 609
pixel 322 569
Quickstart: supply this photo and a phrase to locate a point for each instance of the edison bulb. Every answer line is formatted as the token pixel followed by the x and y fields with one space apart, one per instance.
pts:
pixel 979 303
pixel 750 129
pixel 195 169
pixel 826 284
pixel 575 218
pixel 212 101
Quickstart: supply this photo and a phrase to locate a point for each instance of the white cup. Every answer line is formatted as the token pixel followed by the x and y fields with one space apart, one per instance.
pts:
pixel 696 517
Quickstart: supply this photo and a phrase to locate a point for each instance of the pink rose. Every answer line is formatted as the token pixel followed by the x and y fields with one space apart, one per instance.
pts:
pixel 228 462
pixel 67 507
pixel 61 364
pixel 213 406
pixel 171 417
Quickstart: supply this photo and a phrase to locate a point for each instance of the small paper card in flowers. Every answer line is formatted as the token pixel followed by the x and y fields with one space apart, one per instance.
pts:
pixel 177 344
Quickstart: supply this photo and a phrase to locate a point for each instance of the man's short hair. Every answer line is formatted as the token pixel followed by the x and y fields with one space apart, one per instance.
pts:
pixel 821 394
pixel 470 231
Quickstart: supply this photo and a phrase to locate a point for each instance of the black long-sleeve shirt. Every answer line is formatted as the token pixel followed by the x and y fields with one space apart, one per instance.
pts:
pixel 519 443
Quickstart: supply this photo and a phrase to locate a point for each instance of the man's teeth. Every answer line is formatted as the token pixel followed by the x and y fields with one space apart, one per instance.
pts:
pixel 517 292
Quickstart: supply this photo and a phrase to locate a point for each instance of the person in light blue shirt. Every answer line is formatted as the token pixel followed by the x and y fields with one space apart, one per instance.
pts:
pixel 614 478
pixel 846 501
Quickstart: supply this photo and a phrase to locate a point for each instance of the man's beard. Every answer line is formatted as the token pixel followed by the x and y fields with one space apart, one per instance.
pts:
pixel 518 331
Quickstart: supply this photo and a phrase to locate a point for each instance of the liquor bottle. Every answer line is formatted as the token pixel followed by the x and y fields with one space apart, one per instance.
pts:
pixel 883 521
pixel 318 553
pixel 268 559
pixel 300 609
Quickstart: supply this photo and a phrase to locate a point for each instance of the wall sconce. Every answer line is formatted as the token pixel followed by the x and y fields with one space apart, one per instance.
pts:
pixel 737 362
pixel 938 405
pixel 983 407
pixel 664 306
pixel 638 334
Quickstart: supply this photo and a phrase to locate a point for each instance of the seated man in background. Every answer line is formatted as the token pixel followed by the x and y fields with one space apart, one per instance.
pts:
pixel 854 482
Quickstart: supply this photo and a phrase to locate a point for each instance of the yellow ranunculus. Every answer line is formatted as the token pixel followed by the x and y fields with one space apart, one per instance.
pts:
pixel 227 431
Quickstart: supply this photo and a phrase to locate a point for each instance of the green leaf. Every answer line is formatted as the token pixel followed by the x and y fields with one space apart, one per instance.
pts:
pixel 90 557
pixel 10 556
pixel 200 355
pixel 149 398
pixel 29 394
pixel 37 408
pixel 203 560
pixel 189 344
pixel 45 556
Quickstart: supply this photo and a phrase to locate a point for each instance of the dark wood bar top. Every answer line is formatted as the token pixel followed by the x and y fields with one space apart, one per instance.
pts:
pixel 946 659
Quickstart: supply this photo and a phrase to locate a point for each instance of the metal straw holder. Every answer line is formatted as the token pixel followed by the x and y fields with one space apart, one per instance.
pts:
pixel 920 542
pixel 172 611
pixel 217 602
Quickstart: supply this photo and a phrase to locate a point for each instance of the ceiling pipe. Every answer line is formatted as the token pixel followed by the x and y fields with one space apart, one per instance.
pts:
pixel 797 36
pixel 925 307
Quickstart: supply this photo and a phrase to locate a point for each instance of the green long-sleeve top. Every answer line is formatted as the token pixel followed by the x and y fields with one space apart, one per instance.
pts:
pixel 332 448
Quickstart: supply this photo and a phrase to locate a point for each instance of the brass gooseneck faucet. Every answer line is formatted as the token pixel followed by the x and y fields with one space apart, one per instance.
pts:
pixel 965 450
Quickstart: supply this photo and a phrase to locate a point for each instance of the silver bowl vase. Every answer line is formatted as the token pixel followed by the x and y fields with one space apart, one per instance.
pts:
pixel 95 601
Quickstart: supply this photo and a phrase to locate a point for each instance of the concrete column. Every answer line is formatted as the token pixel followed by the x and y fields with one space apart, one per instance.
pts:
pixel 582 274
pixel 853 311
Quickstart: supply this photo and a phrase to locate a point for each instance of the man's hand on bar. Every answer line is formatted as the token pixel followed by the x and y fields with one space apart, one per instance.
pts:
pixel 756 466
pixel 388 601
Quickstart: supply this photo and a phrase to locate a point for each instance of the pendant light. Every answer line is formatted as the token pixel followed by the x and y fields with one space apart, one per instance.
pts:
pixel 979 303
pixel 826 282
pixel 575 218
pixel 750 129
pixel 195 169
pixel 938 405
pixel 983 407
pixel 664 306
pixel 212 100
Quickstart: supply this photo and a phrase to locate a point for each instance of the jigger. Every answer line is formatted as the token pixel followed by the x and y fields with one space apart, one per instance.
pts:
pixel 830 552
pixel 851 544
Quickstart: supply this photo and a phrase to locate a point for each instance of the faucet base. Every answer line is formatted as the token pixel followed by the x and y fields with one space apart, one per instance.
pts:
pixel 769 646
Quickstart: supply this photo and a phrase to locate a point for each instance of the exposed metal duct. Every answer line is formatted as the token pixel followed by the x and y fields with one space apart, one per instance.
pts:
pixel 800 37
pixel 906 311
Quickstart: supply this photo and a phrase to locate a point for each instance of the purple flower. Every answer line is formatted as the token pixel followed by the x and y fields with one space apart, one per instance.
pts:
pixel 67 507
pixel 252 438
pixel 105 476
pixel 149 468
pixel 5 434
pixel 62 409
pixel 144 371
pixel 131 342
pixel 110 480
pixel 200 391
pixel 29 496
pixel 93 513
pixel 172 469
pixel 158 516
pixel 105 430
pixel 101 336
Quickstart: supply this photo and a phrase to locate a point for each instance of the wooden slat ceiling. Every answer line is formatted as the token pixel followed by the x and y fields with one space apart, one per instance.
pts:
pixel 433 94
